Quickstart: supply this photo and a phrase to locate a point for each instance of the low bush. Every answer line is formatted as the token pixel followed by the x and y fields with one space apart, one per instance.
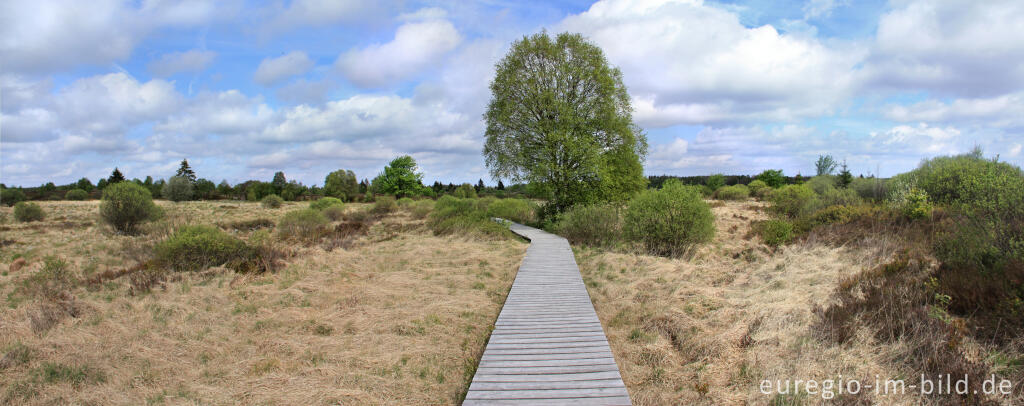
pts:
pixel 26 212
pixel 756 186
pixel 49 282
pixel 464 191
pixel 125 205
pixel 869 188
pixel 597 225
pixel 76 194
pixel 517 210
pixel 197 247
pixel 303 224
pixel 793 200
pixel 385 204
pixel 821 183
pixel 466 217
pixel 834 215
pixel 669 220
pixel 838 197
pixel 11 197
pixel 775 232
pixel 734 192
pixel 325 202
pixel 421 209
pixel 334 213
pixel 272 201
pixel 917 206
pixel 248 225
pixel 177 189
pixel 771 177
pixel 716 181
pixel 405 201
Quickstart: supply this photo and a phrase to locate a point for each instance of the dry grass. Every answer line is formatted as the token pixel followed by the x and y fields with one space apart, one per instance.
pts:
pixel 394 315
pixel 709 328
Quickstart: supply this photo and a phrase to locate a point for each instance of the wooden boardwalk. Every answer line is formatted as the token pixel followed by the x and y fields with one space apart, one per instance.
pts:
pixel 548 347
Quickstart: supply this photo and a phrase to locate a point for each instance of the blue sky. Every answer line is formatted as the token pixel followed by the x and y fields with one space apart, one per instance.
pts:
pixel 243 88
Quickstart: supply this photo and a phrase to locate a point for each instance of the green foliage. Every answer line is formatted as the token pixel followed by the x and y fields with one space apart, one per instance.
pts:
pixel 464 191
pixel 75 375
pixel 821 183
pixel 825 165
pixel 49 282
pixel 917 206
pixel 326 202
pixel 272 201
pixel 517 210
pixel 177 189
pixel 669 220
pixel 303 224
pixel 11 197
pixel 793 200
pixel 384 204
pixel 334 213
pixel 870 188
pixel 421 208
pixel 834 215
pixel 734 192
pixel 341 184
pixel 596 225
pixel 185 171
pixel 84 184
pixel 115 177
pixel 405 202
pixel 772 178
pixel 279 181
pixel 464 217
pixel 400 178
pixel 756 186
pixel 775 232
pixel 76 194
pixel 26 212
pixel 197 247
pixel 845 197
pixel 124 205
pixel 845 177
pixel 203 189
pixel 715 181
pixel 573 146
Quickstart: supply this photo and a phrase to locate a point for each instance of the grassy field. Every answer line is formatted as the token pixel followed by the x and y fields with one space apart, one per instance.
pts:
pixel 395 316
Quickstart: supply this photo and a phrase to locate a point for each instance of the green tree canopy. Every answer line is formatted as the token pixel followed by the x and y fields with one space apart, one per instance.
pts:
pixel 399 178
pixel 560 119
pixel 186 171
pixel 115 176
pixel 279 181
pixel 341 184
pixel 825 165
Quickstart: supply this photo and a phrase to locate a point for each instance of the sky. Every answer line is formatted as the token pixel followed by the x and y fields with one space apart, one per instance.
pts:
pixel 243 89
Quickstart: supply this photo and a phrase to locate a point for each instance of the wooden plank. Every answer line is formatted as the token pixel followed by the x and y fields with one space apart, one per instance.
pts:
pixel 581 393
pixel 607 401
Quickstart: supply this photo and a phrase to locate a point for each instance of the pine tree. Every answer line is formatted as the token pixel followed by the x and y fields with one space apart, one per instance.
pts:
pixel 480 186
pixel 186 171
pixel 501 186
pixel 845 177
pixel 115 176
pixel 279 182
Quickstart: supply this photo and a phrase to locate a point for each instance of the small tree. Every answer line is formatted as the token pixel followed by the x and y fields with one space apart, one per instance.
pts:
pixel 76 194
pixel 224 188
pixel 399 178
pixel 845 177
pixel 115 177
pixel 279 182
pixel 773 178
pixel 341 184
pixel 465 191
pixel 825 165
pixel 186 171
pixel 715 181
pixel 125 205
pixel 501 186
pixel 84 184
pixel 178 189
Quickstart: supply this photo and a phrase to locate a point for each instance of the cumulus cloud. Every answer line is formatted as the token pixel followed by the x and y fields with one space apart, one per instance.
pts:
pixel 304 91
pixel 416 46
pixel 178 62
pixel 1001 111
pixel 274 70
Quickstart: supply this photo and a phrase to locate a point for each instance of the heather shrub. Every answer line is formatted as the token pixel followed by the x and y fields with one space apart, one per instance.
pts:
pixel 272 201
pixel 734 192
pixel 597 225
pixel 793 200
pixel 466 217
pixel 842 197
pixel 775 232
pixel 302 224
pixel 334 213
pixel 26 212
pixel 869 188
pixel 177 189
pixel 385 204
pixel 834 215
pixel 517 210
pixel 11 197
pixel 325 202
pixel 669 220
pixel 76 194
pixel 756 186
pixel 124 205
pixel 464 190
pixel 197 247
pixel 421 209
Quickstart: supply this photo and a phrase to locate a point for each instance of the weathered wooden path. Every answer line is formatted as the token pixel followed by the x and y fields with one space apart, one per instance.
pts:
pixel 548 347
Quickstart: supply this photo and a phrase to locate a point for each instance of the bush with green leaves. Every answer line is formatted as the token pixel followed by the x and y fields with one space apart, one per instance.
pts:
pixel 596 225
pixel 177 189
pixel 756 186
pixel 325 202
pixel 421 209
pixel 464 217
pixel 303 224
pixel 821 183
pixel 517 210
pixel 772 178
pixel 464 191
pixel 26 212
pixel 334 213
pixel 197 247
pixel 839 197
pixel 11 197
pixel 271 201
pixel 385 204
pixel 716 181
pixel 125 205
pixel 670 220
pixel 917 206
pixel 775 232
pixel 404 202
pixel 793 201
pixel 734 192
pixel 76 194
pixel 870 188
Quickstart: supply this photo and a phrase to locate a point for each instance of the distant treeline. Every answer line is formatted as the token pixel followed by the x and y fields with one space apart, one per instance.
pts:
pixel 655 182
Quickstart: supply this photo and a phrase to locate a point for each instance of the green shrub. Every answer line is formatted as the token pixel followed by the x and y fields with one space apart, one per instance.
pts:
pixel 272 201
pixel 869 188
pixel 124 205
pixel 793 200
pixel 325 202
pixel 840 197
pixel 517 210
pixel 11 197
pixel 302 224
pixel 735 192
pixel 405 201
pixel 756 186
pixel 385 204
pixel 597 225
pixel 775 232
pixel 421 208
pixel 772 178
pixel 26 212
pixel 670 220
pixel 971 184
pixel 334 213
pixel 821 183
pixel 715 181
pixel 833 215
pixel 465 217
pixel 197 247
pixel 49 282
pixel 464 190
pixel 917 206
pixel 177 189
pixel 76 194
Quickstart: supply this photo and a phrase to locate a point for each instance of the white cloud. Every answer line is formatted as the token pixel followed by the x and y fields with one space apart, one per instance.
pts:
pixel 114 102
pixel 1000 111
pixel 416 46
pixel 686 62
pixel 273 70
pixel 322 12
pixel 178 62
pixel 821 8
pixel 305 92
